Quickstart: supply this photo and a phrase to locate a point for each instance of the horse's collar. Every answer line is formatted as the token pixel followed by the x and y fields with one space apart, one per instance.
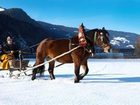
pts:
pixel 72 44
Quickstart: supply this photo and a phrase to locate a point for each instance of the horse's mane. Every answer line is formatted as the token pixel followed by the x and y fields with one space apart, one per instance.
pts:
pixel 91 31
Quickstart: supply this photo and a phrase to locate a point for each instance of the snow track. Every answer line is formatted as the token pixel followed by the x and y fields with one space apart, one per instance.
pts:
pixel 109 82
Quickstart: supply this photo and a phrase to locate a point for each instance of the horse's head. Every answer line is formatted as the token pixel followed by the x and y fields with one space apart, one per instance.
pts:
pixel 100 38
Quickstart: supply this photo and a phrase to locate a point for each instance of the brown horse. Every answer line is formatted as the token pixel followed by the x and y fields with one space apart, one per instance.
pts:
pixel 50 48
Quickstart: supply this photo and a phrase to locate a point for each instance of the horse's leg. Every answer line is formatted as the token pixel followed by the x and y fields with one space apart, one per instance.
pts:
pixel 34 73
pixel 38 69
pixel 51 70
pixel 77 71
pixel 41 70
pixel 77 62
pixel 41 53
pixel 85 68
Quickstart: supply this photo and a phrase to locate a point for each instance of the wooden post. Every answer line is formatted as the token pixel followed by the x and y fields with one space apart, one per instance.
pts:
pixel 20 61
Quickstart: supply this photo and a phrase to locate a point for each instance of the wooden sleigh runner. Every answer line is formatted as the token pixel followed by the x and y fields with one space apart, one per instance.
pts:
pixel 19 65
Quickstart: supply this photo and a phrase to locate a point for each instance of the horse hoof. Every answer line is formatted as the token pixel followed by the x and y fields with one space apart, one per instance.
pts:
pixel 52 77
pixel 76 81
pixel 33 78
pixel 81 77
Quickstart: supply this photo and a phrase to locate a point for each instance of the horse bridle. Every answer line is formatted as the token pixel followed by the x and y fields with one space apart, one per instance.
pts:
pixel 95 39
pixel 89 41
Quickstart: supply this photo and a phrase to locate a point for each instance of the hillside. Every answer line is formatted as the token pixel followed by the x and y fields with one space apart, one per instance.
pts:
pixel 27 31
pixel 121 39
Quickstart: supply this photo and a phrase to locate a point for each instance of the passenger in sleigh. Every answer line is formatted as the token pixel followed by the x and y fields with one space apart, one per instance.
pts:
pixel 1 52
pixel 9 52
pixel 3 59
pixel 11 47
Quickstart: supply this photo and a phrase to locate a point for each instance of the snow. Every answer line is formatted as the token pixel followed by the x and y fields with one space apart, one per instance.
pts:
pixel 130 46
pixel 2 9
pixel 119 40
pixel 115 42
pixel 109 82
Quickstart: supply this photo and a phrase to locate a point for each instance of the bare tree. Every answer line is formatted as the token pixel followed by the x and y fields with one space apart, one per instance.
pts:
pixel 137 47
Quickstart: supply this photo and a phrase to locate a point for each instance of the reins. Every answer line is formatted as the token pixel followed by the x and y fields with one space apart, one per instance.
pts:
pixel 22 50
pixel 30 46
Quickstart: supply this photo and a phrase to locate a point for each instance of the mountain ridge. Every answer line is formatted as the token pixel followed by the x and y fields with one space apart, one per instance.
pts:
pixel 19 24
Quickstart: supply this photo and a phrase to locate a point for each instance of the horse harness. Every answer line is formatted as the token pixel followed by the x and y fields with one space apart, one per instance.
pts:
pixel 89 42
pixel 87 48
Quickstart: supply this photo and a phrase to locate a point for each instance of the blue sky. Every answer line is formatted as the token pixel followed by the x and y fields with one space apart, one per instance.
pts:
pixel 121 15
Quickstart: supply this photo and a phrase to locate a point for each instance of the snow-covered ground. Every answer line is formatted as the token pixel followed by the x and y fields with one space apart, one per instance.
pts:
pixel 109 82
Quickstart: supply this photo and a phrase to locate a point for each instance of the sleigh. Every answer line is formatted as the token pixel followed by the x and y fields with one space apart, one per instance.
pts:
pixel 18 64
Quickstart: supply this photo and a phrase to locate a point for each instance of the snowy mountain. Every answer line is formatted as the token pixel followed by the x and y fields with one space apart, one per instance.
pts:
pixel 30 33
pixel 27 31
pixel 2 9
pixel 18 24
pixel 63 30
pixel 20 15
pixel 120 39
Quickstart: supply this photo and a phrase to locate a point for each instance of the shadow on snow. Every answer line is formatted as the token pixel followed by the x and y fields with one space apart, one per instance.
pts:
pixel 103 78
